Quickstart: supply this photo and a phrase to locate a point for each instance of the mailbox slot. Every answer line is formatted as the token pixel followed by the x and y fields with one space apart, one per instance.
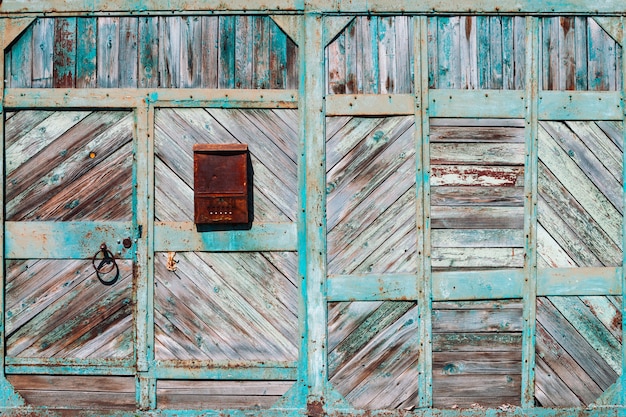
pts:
pixel 220 183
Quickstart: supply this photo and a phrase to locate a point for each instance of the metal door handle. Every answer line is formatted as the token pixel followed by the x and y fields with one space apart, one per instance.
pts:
pixel 106 265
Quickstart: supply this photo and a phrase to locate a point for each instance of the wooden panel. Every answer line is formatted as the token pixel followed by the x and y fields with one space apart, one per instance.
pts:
pixel 69 166
pixel 227 306
pixel 477 177
pixel 58 309
pixel 580 193
pixel 578 349
pixel 476 52
pixel 271 140
pixel 215 395
pixel 245 52
pixel 577 54
pixel 373 353
pixel 476 353
pixel 76 392
pixel 372 55
pixel 371 196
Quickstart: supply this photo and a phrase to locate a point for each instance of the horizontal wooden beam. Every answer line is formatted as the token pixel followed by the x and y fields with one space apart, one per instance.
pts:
pixel 51 7
pixel 66 240
pixel 183 237
pixel 68 366
pixel 580 105
pixel 20 98
pixel 244 371
pixel 370 105
pixel 476 285
pixel 476 103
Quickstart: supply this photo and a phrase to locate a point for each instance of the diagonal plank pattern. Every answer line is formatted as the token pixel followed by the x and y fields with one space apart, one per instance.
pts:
pixel 69 165
pixel 580 225
pixel 272 140
pixel 371 195
pixel 373 352
pixel 227 306
pixel 58 309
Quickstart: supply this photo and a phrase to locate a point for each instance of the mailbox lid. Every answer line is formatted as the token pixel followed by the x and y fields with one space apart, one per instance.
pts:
pixel 220 169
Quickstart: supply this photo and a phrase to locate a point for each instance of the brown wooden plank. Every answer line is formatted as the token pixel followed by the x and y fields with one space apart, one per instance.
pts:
pixel 476 134
pixel 345 317
pixel 477 196
pixel 210 51
pixel 474 363
pixel 64 66
pixel 550 390
pixel 170 51
pixel 477 217
pixel 261 33
pixel 507 320
pixel 472 342
pixel 477 153
pixel 485 390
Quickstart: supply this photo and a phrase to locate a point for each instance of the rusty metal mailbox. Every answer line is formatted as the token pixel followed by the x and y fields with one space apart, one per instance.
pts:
pixel 220 183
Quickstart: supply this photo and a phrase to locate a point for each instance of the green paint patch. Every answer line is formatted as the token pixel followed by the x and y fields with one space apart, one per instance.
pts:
pixel 72 204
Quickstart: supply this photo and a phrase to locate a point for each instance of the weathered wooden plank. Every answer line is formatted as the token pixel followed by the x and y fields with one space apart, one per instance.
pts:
pixel 404 54
pixel 210 51
pixel 466 133
pixel 261 53
pixel 128 50
pixel 479 320
pixel 387 55
pixel 477 257
pixel 551 391
pixel 432 48
pixel 449 57
pixel 335 57
pixel 489 363
pixel 170 51
pixel 496 52
pixel 508 53
pixel 226 57
pixel 476 175
pixel 64 65
pixel 108 52
pixel 469 53
pixel 519 46
pixel 484 52
pixel 148 51
pixel 191 52
pixel 476 217
pixel 352 46
pixel 477 196
pixel 476 104
pixel 477 154
pixel 477 238
pixel 485 390
pixel 86 52
pixel 602 69
pixel 473 285
pixel 244 50
pixel 43 52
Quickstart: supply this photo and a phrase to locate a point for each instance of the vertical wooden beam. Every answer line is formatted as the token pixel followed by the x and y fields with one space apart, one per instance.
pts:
pixel 530 214
pixel 8 396
pixel 422 169
pixel 312 233
pixel 622 378
pixel 144 255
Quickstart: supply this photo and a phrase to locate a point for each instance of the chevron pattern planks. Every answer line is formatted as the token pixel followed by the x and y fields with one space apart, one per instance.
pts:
pixel 227 306
pixel 370 177
pixel 580 220
pixel 373 352
pixel 272 140
pixel 69 165
pixel 58 309
pixel 580 203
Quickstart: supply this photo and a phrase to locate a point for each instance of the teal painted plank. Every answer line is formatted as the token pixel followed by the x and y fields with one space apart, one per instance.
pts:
pixel 370 104
pixel 484 53
pixel 64 67
pixel 69 366
pixel 226 56
pixel 579 105
pixel 20 73
pixel 495 52
pixel 66 240
pixel 278 57
pixel 148 51
pixel 476 103
pixel 108 52
pixel 579 281
pixel 86 52
pixel 477 285
pixel 184 237
pixel 43 52
pixel 371 287
pixel 448 50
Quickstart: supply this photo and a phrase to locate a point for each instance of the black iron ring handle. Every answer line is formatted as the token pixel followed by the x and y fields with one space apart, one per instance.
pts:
pixel 107 264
